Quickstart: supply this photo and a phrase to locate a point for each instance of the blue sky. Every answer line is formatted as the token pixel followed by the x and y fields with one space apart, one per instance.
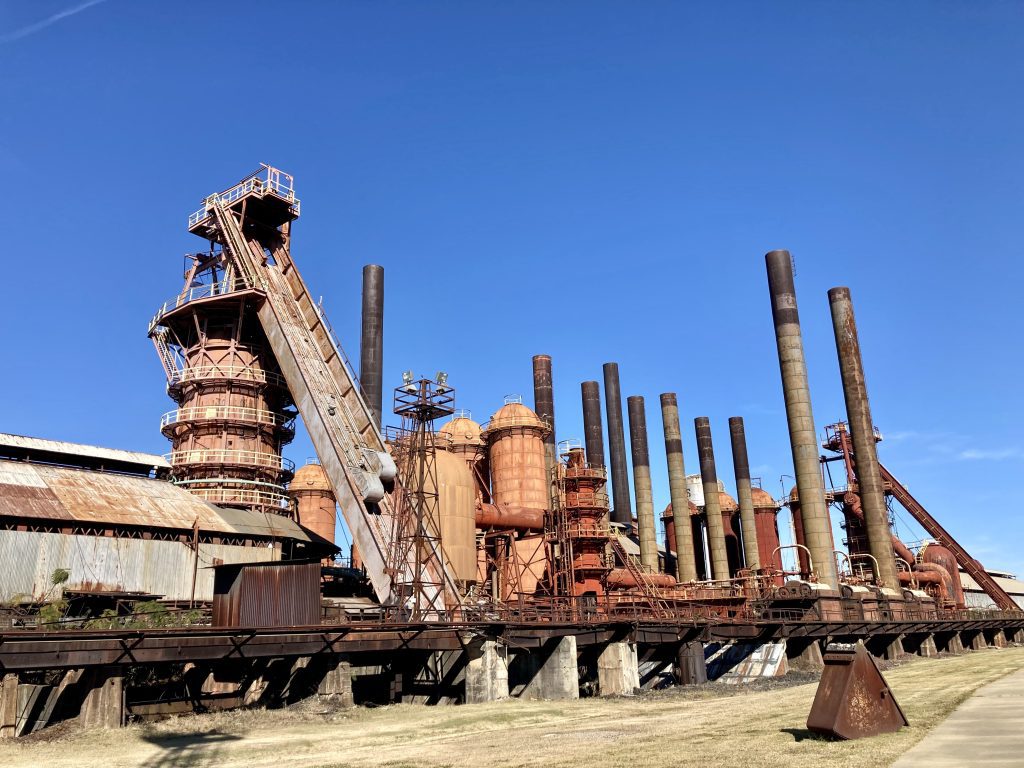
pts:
pixel 596 181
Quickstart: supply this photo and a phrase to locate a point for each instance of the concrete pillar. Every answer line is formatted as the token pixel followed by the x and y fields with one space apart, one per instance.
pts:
pixel 955 644
pixel 805 658
pixel 1016 635
pixel 712 500
pixel 618 672
pixel 9 706
pixel 103 706
pixel 894 649
pixel 336 684
pixel 803 437
pixel 556 673
pixel 642 483
pixel 691 667
pixel 997 639
pixel 978 642
pixel 741 466
pixel 486 673
pixel 927 648
pixel 686 566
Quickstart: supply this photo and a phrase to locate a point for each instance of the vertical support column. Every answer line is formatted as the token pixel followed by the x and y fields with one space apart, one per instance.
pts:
pixel 622 510
pixel 802 436
pixel 9 706
pixel 544 406
pixel 592 430
pixel 691 665
pixel 371 340
pixel 486 673
pixel 618 670
pixel 741 464
pixel 712 503
pixel 556 673
pixel 642 483
pixel 862 434
pixel 336 683
pixel 686 568
pixel 103 706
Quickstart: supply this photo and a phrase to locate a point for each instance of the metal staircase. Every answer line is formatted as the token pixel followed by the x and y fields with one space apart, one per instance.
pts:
pixel 931 525
pixel 643 579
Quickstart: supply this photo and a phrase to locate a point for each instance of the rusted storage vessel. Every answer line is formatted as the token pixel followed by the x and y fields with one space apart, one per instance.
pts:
pixel 464 438
pixel 515 439
pixel 314 501
pixel 456 495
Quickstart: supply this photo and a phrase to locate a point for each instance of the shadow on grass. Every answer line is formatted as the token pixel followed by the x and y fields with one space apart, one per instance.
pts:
pixel 800 734
pixel 190 749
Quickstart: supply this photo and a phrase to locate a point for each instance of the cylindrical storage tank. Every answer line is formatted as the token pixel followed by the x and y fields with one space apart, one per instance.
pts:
pixel 456 497
pixel 314 501
pixel 464 438
pixel 515 439
pixel 695 489
pixel 765 518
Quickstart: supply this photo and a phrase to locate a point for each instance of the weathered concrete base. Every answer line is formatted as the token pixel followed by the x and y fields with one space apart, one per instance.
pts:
pixel 804 657
pixel 978 642
pixel 8 706
pixel 927 648
pixel 691 667
pixel 618 672
pixel 547 673
pixel 894 649
pixel 336 683
pixel 996 638
pixel 486 673
pixel 103 706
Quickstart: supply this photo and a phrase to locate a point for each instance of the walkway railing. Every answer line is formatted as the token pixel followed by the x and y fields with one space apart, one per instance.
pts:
pixel 226 456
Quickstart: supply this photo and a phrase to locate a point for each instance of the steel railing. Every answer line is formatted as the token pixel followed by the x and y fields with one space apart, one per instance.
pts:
pixel 204 291
pixel 227 413
pixel 265 180
pixel 228 456
pixel 235 372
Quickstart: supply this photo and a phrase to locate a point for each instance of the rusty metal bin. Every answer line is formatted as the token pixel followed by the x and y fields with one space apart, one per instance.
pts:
pixel 853 700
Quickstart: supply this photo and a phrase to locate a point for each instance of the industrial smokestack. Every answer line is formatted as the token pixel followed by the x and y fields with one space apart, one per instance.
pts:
pixel 642 483
pixel 686 566
pixel 544 406
pixel 803 440
pixel 371 341
pixel 622 510
pixel 712 501
pixel 741 464
pixel 592 432
pixel 862 434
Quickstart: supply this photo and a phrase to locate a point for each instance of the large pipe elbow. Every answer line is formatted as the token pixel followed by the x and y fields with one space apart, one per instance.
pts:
pixel 505 517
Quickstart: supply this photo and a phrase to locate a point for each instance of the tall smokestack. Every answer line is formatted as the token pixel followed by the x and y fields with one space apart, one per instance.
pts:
pixel 544 405
pixel 802 436
pixel 712 501
pixel 642 483
pixel 862 434
pixel 741 464
pixel 592 432
pixel 371 341
pixel 686 566
pixel 622 510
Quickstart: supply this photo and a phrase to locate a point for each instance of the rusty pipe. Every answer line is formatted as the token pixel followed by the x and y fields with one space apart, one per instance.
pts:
pixel 544 407
pixel 622 510
pixel 744 497
pixel 682 530
pixel 817 527
pixel 712 500
pixel 504 517
pixel 646 530
pixel 862 435
pixel 371 340
pixel 593 434
pixel 621 578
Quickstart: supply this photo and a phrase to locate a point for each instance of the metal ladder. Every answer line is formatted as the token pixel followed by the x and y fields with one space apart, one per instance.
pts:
pixel 163 350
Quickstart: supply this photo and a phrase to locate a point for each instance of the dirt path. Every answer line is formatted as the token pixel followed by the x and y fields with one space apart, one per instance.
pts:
pixel 698 728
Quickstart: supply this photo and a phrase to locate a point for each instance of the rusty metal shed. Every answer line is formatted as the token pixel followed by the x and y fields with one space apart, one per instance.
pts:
pixel 267 594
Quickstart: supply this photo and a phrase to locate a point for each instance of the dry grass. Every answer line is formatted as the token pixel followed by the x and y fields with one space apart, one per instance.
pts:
pixel 755 728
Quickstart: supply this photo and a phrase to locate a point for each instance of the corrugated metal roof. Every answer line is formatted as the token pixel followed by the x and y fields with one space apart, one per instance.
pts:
pixel 52 493
pixel 72 450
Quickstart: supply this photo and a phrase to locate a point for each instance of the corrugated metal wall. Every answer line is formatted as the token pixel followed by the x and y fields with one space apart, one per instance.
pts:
pixel 164 568
pixel 267 596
